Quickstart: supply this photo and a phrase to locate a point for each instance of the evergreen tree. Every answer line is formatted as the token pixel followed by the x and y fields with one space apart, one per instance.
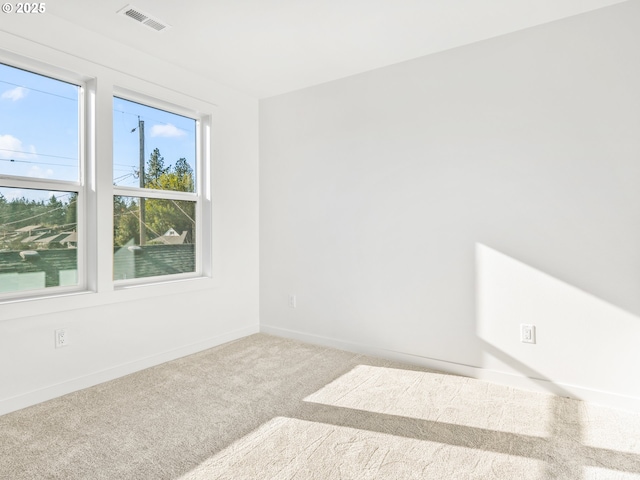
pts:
pixel 71 212
pixel 155 169
pixel 125 221
pixel 160 214
pixel 55 212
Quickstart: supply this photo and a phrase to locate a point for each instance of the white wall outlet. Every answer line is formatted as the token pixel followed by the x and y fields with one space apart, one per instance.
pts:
pixel 292 301
pixel 61 337
pixel 527 333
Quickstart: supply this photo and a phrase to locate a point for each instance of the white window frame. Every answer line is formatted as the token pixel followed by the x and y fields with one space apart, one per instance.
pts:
pixel 95 204
pixel 86 90
pixel 202 165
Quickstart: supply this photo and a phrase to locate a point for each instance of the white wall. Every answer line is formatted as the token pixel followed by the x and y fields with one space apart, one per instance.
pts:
pixel 116 332
pixel 424 210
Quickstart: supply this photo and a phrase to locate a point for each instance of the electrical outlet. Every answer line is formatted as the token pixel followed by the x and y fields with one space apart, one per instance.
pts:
pixel 527 333
pixel 292 301
pixel 61 337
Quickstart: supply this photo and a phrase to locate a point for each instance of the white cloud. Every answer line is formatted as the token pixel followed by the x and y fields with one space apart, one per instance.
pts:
pixel 11 147
pixel 15 94
pixel 37 172
pixel 167 130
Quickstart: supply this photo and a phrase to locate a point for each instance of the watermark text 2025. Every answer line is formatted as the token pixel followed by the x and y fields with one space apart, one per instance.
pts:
pixel 24 7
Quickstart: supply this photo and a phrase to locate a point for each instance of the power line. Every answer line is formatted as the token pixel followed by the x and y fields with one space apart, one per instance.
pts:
pixel 62 193
pixel 143 223
pixel 40 204
pixel 11 160
pixel 144 117
pixel 38 154
pixel 147 117
pixel 121 178
pixel 185 213
pixel 39 215
pixel 42 91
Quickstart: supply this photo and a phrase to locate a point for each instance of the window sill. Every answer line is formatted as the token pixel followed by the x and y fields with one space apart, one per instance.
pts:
pixel 17 308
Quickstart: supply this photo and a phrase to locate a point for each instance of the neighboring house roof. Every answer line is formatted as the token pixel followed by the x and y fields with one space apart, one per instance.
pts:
pixel 52 238
pixel 153 260
pixel 6 235
pixel 51 262
pixel 32 238
pixel 28 228
pixel 170 238
pixel 71 237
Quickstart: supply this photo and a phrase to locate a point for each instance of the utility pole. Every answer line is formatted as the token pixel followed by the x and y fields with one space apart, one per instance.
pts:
pixel 143 238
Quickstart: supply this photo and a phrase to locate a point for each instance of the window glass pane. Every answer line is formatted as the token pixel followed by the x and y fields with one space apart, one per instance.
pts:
pixel 39 134
pixel 153 148
pixel 168 243
pixel 38 239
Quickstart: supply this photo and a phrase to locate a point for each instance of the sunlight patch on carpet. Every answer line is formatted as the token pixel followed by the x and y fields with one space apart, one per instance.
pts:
pixel 612 429
pixel 286 448
pixel 439 398
pixel 596 473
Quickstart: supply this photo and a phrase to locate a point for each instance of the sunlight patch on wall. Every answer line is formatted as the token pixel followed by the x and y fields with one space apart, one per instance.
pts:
pixel 580 339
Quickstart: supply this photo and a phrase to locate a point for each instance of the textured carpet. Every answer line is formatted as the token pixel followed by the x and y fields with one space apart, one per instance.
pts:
pixel 270 408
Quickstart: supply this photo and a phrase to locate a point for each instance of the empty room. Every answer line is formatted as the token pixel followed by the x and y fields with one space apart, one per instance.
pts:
pixel 320 240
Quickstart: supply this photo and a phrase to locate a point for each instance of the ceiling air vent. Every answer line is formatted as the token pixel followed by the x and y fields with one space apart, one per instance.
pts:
pixel 144 18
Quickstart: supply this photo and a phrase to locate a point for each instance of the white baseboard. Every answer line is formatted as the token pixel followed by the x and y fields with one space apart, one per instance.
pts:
pixel 515 380
pixel 37 396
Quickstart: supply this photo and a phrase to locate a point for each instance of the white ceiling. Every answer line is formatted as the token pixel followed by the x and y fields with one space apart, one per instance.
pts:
pixel 268 47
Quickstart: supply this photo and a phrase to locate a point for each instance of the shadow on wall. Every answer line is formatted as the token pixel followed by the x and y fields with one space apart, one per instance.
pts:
pixel 580 339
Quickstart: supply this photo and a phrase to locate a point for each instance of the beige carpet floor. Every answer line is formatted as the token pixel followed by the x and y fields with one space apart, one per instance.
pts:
pixel 269 408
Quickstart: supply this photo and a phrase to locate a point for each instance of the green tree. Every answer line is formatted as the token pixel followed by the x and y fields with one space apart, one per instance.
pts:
pixel 155 169
pixel 160 214
pixel 71 212
pixel 56 212
pixel 125 221
pixel 21 212
pixel 184 176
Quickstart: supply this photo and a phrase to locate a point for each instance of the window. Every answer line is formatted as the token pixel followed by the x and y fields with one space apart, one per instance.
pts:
pixel 156 202
pixel 66 216
pixel 41 184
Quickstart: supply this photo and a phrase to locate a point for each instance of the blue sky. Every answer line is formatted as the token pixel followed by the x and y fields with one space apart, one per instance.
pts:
pixel 173 135
pixel 39 132
pixel 38 126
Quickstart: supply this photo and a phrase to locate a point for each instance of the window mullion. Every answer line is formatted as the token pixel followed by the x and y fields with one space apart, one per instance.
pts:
pixel 152 193
pixel 100 187
pixel 39 184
